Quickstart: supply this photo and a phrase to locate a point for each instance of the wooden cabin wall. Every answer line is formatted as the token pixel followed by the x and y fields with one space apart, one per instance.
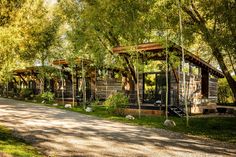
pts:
pixel 68 88
pixel 212 90
pixel 174 88
pixel 106 87
pixel 133 93
pixel 210 95
pixel 195 91
pixel 193 87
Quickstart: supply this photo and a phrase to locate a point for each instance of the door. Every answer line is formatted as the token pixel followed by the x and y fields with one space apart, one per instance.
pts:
pixel 154 87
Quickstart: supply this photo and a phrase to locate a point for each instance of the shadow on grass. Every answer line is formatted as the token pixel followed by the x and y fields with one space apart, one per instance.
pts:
pixel 15 146
pixel 79 133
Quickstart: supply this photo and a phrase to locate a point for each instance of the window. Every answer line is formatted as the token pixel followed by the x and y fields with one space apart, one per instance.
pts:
pixel 205 83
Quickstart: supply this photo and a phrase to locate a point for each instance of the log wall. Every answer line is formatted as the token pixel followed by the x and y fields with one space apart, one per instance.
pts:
pixel 106 87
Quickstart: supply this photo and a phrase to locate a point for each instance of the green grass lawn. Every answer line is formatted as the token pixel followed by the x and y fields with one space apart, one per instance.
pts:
pixel 15 147
pixel 219 128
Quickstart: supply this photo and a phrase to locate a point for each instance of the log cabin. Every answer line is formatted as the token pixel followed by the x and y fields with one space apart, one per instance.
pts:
pixel 201 79
pixel 30 79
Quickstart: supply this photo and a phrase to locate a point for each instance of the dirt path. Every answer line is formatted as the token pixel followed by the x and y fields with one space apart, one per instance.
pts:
pixel 63 133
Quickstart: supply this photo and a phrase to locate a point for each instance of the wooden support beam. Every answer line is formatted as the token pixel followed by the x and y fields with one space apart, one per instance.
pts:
pixel 23 79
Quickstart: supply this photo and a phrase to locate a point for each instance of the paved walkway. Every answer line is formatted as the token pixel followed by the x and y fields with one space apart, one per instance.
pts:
pixel 63 133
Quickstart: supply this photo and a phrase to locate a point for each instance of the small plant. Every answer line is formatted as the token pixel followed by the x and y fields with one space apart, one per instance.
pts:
pixel 95 104
pixel 225 95
pixel 26 93
pixel 48 97
pixel 116 103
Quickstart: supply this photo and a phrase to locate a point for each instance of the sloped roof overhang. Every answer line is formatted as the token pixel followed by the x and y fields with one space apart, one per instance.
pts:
pixel 156 50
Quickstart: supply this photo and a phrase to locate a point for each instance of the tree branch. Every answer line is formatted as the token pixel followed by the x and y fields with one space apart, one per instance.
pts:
pixel 197 13
pixel 104 45
pixel 191 14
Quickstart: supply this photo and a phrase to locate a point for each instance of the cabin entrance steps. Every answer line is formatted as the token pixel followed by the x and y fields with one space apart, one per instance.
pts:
pixel 177 111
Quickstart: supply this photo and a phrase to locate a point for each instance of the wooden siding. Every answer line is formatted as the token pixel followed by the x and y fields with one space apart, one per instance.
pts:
pixel 133 94
pixel 193 88
pixel 213 88
pixel 106 87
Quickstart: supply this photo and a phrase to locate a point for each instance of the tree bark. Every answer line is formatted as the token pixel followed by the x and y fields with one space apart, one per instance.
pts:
pixel 73 87
pixel 200 22
pixel 183 61
pixel 131 69
pixel 229 78
pixel 231 61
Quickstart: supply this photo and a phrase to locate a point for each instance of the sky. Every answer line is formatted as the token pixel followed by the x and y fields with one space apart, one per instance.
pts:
pixel 51 2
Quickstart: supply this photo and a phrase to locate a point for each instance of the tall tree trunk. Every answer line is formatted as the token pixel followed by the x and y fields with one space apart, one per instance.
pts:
pixel 73 87
pixel 62 87
pixel 219 57
pixel 200 22
pixel 230 79
pixel 43 76
pixel 83 85
pixel 183 62
pixel 167 77
pixel 138 93
pixel 131 69
pixel 231 62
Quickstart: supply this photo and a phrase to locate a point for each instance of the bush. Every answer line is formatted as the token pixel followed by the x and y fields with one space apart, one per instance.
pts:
pixel 48 97
pixel 116 103
pixel 95 104
pixel 225 95
pixel 26 93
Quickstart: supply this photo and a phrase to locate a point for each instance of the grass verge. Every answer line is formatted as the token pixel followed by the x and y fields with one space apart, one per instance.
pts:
pixel 218 128
pixel 11 146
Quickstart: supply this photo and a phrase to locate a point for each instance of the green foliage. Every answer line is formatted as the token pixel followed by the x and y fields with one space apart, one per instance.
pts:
pixel 8 10
pixel 225 95
pixel 14 146
pixel 154 66
pixel 95 105
pixel 26 93
pixel 28 30
pixel 95 29
pixel 174 60
pixel 48 97
pixel 219 128
pixel 116 103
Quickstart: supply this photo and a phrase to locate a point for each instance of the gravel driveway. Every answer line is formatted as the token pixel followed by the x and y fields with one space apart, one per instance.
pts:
pixel 63 133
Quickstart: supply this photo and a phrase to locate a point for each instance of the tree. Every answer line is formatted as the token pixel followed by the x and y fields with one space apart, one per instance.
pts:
pixel 27 31
pixel 10 34
pixel 183 62
pixel 214 22
pixel 95 29
pixel 8 11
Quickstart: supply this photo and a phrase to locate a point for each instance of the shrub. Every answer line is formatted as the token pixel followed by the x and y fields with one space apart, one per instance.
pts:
pixel 26 93
pixel 48 97
pixel 116 103
pixel 95 104
pixel 225 95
